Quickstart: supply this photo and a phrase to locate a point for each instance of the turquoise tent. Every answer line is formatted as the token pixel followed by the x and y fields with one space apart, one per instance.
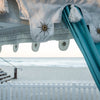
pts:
pixel 89 49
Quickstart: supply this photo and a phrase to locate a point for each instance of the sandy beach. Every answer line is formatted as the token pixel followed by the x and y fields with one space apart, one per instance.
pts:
pixel 48 69
pixel 54 74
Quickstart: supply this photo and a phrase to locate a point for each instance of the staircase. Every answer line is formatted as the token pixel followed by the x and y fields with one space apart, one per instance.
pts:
pixel 4 77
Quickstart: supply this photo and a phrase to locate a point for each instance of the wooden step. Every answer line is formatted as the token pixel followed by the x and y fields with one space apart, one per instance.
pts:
pixel 3 73
pixel 4 76
pixel 6 80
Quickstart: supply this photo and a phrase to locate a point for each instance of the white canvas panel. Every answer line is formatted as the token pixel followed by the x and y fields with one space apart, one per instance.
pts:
pixel 48 12
pixel 3 6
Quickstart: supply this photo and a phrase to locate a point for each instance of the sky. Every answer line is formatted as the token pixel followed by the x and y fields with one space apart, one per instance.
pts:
pixel 47 49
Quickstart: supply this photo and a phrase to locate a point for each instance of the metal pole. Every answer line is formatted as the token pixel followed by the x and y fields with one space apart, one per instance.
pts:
pixel 15 73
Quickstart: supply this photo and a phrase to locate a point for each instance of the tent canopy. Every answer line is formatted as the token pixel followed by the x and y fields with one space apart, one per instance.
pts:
pixel 14 30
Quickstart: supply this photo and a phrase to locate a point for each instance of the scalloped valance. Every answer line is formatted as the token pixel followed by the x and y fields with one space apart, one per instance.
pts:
pixel 43 15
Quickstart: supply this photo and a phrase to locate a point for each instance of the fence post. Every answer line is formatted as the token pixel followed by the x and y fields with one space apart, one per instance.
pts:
pixel 8 91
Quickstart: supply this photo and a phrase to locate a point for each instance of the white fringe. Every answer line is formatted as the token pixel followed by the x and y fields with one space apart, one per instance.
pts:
pixel 15 47
pixel 74 15
pixel 64 44
pixel 4 7
pixel 35 46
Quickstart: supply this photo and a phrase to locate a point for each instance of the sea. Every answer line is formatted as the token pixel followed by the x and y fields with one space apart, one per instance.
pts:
pixel 43 62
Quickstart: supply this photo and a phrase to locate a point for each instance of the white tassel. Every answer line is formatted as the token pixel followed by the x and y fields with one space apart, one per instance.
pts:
pixel 15 47
pixel 35 46
pixel 64 44
pixel 74 15
pixel 4 7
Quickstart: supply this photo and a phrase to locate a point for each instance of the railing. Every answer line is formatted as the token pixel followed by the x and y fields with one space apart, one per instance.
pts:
pixel 49 91
pixel 11 70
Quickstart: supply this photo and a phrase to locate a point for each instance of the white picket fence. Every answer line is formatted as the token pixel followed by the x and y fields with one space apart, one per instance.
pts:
pixel 49 91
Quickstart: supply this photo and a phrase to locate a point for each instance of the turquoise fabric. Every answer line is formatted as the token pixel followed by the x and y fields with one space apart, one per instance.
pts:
pixel 89 49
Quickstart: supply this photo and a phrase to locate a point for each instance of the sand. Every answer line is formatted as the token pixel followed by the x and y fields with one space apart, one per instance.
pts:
pixel 54 74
